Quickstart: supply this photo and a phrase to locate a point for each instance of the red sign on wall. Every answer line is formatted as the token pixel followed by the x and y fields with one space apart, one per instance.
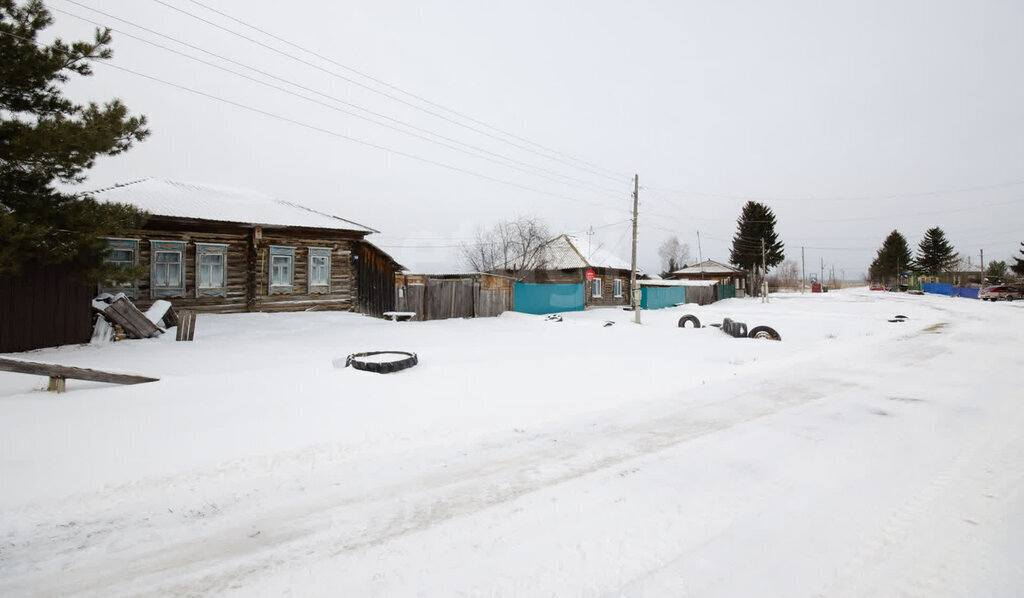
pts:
pixel 590 275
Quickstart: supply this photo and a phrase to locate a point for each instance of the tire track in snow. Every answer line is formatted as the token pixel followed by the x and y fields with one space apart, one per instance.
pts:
pixel 214 561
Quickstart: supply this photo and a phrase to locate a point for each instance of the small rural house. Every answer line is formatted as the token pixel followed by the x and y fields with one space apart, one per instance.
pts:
pixel 215 249
pixel 565 260
pixel 726 276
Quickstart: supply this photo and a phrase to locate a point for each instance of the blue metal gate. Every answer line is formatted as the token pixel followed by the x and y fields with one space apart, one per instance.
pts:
pixel 548 298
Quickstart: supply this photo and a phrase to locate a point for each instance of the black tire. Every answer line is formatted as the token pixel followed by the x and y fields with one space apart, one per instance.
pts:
pixel 689 318
pixel 900 317
pixel 382 367
pixel 764 332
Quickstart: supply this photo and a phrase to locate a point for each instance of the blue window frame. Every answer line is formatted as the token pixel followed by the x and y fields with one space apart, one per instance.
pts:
pixel 282 269
pixel 167 268
pixel 123 253
pixel 319 270
pixel 211 269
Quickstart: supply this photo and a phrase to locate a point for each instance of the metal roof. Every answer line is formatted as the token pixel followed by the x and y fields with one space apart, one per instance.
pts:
pixel 176 199
pixel 709 267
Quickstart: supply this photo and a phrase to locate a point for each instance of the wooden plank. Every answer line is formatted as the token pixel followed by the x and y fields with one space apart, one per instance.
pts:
pixel 133 321
pixel 53 370
pixel 186 325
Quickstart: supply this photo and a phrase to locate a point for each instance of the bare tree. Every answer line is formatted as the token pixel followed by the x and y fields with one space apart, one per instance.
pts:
pixel 673 254
pixel 512 245
pixel 786 276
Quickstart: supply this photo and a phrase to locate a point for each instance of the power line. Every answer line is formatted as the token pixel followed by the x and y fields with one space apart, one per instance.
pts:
pixel 587 186
pixel 372 89
pixel 323 130
pixel 400 90
pixel 841 198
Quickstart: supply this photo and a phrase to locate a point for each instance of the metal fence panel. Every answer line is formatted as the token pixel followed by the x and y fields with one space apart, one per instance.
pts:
pixel 659 297
pixel 548 298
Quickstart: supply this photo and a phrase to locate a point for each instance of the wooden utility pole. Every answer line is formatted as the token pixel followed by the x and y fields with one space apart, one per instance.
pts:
pixel 700 256
pixel 821 272
pixel 982 271
pixel 632 276
pixel 803 271
pixel 764 274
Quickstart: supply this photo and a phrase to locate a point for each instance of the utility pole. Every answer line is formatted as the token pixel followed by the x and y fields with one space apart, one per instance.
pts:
pixel 982 270
pixel 590 242
pixel 803 271
pixel 632 276
pixel 821 272
pixel 700 256
pixel 764 274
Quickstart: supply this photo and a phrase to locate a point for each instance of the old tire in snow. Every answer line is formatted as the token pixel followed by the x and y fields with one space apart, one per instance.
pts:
pixel 385 366
pixel 689 318
pixel 764 332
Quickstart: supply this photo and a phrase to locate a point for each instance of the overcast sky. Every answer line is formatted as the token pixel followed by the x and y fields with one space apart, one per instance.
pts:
pixel 850 119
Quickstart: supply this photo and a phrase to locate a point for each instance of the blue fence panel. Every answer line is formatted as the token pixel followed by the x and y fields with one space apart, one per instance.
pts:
pixel 937 288
pixel 548 298
pixel 726 291
pixel 965 292
pixel 659 297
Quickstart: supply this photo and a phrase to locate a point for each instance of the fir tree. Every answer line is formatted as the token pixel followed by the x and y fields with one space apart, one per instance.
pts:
pixel 1018 266
pixel 756 223
pixel 935 254
pixel 892 257
pixel 46 139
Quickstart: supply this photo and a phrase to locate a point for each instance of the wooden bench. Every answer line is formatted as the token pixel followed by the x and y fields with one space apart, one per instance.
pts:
pixel 59 374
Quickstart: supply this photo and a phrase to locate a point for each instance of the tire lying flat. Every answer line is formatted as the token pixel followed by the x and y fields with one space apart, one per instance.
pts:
pixel 403 361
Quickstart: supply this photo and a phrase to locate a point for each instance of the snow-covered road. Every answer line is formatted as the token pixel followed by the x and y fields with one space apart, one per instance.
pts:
pixel 857 457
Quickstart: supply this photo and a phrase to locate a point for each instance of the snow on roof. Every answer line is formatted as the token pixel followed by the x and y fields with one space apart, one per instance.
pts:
pixel 709 267
pixel 566 252
pixel 163 197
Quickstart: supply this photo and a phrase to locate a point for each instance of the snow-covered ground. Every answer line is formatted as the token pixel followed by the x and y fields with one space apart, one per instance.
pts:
pixel 524 457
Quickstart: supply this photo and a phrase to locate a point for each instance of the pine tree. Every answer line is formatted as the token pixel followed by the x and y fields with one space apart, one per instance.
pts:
pixel 892 257
pixel 1018 266
pixel 935 254
pixel 46 139
pixel 756 223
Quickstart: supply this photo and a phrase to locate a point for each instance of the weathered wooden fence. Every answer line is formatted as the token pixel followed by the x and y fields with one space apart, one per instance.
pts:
pixel 44 307
pixel 440 298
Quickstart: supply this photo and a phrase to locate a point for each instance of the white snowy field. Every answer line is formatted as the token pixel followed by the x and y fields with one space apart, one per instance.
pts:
pixel 523 457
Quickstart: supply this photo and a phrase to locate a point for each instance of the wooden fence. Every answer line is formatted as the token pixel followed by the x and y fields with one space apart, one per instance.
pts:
pixel 440 298
pixel 44 306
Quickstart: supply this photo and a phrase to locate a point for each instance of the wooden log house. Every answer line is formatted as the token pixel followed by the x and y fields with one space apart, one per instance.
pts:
pixel 213 249
pixel 566 259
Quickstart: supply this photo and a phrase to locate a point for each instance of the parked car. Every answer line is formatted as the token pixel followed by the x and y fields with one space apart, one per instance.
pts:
pixel 1002 291
pixel 877 287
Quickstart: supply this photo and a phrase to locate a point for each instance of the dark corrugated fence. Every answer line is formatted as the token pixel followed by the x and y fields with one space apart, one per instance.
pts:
pixel 44 307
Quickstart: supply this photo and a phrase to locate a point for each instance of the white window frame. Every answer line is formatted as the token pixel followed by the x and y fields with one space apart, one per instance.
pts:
pixel 315 253
pixel 207 249
pixel 595 288
pixel 281 251
pixel 618 288
pixel 129 289
pixel 166 290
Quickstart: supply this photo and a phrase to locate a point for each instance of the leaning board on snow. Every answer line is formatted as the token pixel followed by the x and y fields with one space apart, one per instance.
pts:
pixel 59 373
pixel 135 323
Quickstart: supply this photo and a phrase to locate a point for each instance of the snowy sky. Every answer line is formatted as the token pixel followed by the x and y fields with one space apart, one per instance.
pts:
pixel 849 119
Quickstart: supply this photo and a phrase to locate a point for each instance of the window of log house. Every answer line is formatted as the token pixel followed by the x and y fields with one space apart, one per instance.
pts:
pixel 282 269
pixel 211 269
pixel 319 270
pixel 167 268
